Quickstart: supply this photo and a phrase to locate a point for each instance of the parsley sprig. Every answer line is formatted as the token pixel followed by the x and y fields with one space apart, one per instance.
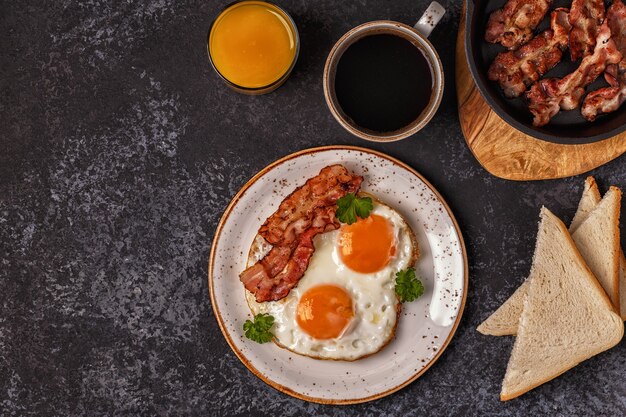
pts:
pixel 259 330
pixel 408 287
pixel 350 206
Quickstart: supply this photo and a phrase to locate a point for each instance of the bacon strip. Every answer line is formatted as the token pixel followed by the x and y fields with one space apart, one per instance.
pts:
pixel 585 17
pixel 297 265
pixel 516 70
pixel 547 96
pixel 608 99
pixel 513 24
pixel 295 213
pixel 276 259
pixel 616 18
pixel 308 211
pixel 267 287
pixel 604 100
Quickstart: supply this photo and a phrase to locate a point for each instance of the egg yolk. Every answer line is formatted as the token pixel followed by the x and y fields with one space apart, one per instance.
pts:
pixel 367 245
pixel 324 311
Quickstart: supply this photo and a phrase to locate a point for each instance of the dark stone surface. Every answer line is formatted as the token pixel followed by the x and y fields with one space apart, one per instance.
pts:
pixel 120 148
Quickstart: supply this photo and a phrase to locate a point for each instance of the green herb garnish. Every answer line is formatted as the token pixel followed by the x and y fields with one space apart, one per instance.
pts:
pixel 350 206
pixel 408 287
pixel 259 330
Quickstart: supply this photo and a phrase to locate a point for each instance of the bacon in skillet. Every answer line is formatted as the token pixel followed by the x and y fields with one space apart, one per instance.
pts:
pixel 608 99
pixel 309 210
pixel 295 213
pixel 604 100
pixel 585 16
pixel 616 18
pixel 547 96
pixel 516 70
pixel 513 24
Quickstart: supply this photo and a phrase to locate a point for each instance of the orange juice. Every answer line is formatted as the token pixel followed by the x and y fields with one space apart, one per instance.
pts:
pixel 253 44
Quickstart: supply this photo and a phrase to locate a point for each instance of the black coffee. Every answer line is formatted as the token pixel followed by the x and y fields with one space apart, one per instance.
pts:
pixel 383 82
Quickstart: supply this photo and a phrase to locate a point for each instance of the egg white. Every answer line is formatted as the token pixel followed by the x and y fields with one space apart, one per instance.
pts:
pixel 373 295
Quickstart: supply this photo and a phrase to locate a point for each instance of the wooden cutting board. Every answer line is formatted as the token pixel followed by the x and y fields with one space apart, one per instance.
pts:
pixel 510 154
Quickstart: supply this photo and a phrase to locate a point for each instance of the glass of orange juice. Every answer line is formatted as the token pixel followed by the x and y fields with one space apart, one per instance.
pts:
pixel 253 46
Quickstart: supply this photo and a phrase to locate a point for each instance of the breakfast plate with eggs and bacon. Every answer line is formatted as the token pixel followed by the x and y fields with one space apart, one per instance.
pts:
pixel 338 275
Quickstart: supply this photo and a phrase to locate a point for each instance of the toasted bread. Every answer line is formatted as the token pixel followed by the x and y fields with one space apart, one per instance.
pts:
pixel 504 320
pixel 588 201
pixel 567 317
pixel 591 198
pixel 622 284
pixel 597 239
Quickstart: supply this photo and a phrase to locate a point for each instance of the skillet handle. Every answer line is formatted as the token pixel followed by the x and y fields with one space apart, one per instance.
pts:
pixel 430 18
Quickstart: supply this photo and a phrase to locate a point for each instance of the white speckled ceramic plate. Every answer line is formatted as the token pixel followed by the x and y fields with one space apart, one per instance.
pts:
pixel 426 325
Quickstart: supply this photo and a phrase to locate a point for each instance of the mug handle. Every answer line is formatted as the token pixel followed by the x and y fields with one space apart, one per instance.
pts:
pixel 430 18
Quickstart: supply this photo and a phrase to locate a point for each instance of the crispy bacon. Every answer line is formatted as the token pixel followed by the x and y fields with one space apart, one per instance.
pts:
pixel 272 285
pixel 282 283
pixel 513 24
pixel 616 18
pixel 308 211
pixel 547 96
pixel 272 279
pixel 295 213
pixel 516 70
pixel 276 259
pixel 585 16
pixel 604 100
pixel 608 99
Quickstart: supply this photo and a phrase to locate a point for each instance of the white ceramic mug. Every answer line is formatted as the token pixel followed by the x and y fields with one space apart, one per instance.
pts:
pixel 418 36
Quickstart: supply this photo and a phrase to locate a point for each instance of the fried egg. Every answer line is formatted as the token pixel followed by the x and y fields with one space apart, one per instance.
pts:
pixel 345 306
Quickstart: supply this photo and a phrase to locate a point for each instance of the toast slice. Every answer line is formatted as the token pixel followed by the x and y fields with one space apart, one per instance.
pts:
pixel 504 320
pixel 597 239
pixel 622 284
pixel 567 316
pixel 588 201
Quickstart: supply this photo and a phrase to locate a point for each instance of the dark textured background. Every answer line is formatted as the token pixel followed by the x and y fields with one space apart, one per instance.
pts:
pixel 120 148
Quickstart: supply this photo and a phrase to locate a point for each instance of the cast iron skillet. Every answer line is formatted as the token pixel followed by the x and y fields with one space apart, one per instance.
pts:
pixel 567 127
